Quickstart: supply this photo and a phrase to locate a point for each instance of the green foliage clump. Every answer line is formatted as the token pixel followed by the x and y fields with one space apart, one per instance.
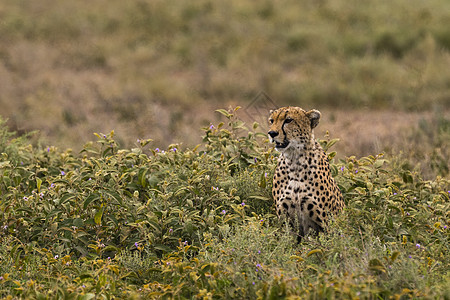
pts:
pixel 160 66
pixel 199 223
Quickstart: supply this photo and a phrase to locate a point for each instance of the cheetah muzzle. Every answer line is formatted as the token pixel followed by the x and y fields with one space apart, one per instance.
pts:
pixel 304 191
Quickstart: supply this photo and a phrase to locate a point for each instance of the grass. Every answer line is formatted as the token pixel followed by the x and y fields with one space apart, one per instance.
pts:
pixel 151 69
pixel 199 223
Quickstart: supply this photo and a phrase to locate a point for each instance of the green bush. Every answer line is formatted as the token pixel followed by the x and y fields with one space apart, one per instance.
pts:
pixel 160 66
pixel 199 223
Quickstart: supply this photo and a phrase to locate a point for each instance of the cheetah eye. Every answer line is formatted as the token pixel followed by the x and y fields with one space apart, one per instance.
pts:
pixel 271 121
pixel 288 120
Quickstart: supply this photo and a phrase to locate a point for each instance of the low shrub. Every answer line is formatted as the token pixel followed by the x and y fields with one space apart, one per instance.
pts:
pixel 199 223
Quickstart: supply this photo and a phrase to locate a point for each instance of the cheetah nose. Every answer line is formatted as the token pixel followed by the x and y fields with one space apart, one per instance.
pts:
pixel 273 133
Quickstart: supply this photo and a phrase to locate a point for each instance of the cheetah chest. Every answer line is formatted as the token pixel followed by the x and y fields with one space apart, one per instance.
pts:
pixel 304 190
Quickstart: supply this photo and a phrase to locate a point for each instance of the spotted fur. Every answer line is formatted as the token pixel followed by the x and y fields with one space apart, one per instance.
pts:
pixel 305 193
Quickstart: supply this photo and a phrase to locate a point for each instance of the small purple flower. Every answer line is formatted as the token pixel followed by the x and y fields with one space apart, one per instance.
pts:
pixel 157 150
pixel 224 212
pixel 48 149
pixel 253 283
pixel 41 195
pixel 395 194
pixel 418 246
pixel 356 171
pixel 104 136
pixel 259 251
pixel 407 213
pixel 89 179
pixel 185 243
pixel 265 174
pixel 63 173
pixel 170 230
pixel 1 278
pixel 136 245
pixel 174 149
pixel 410 256
pixel 138 140
pixel 243 204
pixel 258 266
pixel 342 168
pixel 56 256
pixel 211 127
pixel 25 198
pixel 255 159
pixel 83 286
pixel 445 226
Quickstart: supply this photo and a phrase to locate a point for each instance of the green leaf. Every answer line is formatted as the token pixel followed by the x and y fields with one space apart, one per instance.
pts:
pixel 66 198
pixel 259 198
pixel 318 251
pixel 142 176
pixel 89 199
pixel 98 216
pixel 238 124
pixel 376 265
pixel 87 296
pixel 115 196
pixel 111 248
pixel 38 184
pixel 379 163
pixel 82 250
pixel 262 181
pixel 407 177
pixel 163 248
pixel 78 222
pixel 395 255
pixel 224 112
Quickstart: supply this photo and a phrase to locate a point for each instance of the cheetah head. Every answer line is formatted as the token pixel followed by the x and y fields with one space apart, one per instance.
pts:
pixel 291 127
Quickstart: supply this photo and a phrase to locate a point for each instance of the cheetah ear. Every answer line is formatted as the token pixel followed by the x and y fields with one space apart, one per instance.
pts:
pixel 314 116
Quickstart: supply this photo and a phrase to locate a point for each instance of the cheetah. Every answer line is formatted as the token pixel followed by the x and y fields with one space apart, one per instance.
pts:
pixel 304 191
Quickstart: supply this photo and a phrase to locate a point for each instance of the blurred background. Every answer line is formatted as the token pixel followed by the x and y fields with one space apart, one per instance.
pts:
pixel 378 70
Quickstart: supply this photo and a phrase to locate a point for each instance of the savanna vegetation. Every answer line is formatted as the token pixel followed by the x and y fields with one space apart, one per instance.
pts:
pixel 198 223
pixel 158 209
pixel 157 69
